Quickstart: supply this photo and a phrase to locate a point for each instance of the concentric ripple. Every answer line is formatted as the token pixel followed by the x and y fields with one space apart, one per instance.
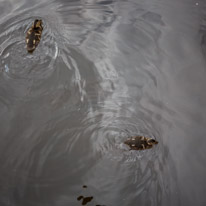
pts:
pixel 16 62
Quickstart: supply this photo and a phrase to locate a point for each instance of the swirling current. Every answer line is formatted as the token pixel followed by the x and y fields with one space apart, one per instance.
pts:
pixel 104 70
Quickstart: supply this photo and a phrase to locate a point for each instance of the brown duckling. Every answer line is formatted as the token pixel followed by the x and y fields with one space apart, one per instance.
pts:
pixel 33 35
pixel 140 142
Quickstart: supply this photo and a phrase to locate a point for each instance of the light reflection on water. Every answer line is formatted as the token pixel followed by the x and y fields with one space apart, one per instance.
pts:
pixel 103 71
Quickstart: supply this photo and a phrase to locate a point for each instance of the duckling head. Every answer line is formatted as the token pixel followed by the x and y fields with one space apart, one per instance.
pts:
pixel 151 141
pixel 37 24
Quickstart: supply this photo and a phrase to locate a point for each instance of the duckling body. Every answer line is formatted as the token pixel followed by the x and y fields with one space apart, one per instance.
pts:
pixel 140 143
pixel 33 35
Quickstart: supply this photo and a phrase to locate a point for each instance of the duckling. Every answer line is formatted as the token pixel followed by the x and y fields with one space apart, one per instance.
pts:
pixel 140 142
pixel 33 35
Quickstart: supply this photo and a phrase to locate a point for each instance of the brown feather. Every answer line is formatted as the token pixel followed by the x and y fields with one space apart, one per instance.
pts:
pixel 33 35
pixel 140 142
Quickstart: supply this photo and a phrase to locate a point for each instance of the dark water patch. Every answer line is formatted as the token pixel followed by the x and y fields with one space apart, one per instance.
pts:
pixel 152 17
pixel 203 35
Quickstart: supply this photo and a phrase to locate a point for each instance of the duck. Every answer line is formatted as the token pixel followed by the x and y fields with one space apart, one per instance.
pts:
pixel 33 35
pixel 140 142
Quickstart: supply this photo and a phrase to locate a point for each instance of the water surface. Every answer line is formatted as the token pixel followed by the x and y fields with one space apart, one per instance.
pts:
pixel 104 71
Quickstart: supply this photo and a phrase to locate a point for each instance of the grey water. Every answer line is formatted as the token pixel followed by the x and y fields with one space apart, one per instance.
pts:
pixel 104 70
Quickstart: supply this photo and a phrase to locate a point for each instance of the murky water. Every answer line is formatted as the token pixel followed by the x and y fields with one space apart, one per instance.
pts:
pixel 104 71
